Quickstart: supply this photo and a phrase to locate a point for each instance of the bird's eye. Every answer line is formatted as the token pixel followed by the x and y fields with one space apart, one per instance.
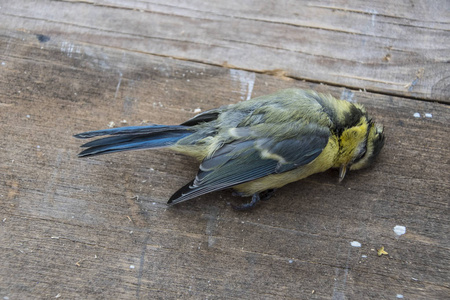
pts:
pixel 361 154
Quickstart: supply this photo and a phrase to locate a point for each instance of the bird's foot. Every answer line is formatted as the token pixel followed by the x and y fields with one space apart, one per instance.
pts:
pixel 264 196
pixel 247 206
pixel 237 194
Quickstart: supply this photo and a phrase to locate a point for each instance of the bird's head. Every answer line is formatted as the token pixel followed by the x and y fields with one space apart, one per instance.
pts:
pixel 360 145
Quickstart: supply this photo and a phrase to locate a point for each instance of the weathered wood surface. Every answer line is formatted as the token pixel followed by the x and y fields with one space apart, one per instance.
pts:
pixel 99 227
pixel 396 47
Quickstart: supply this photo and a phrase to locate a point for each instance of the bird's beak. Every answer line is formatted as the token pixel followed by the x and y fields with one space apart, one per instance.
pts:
pixel 342 171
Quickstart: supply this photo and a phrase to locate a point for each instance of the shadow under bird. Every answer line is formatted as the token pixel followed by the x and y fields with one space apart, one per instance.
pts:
pixel 259 145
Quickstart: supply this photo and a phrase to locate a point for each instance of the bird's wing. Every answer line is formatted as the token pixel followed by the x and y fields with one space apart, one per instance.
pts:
pixel 245 160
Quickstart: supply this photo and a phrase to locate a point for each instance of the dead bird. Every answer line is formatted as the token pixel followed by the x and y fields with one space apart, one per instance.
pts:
pixel 259 145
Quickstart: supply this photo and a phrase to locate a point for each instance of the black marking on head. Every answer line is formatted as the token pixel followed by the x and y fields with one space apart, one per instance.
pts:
pixel 378 144
pixel 374 144
pixel 363 151
pixel 361 154
pixel 350 118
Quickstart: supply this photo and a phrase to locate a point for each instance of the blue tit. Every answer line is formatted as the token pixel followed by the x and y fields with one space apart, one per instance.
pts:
pixel 259 145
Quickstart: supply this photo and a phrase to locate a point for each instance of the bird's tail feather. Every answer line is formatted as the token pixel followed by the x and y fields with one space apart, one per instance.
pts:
pixel 132 138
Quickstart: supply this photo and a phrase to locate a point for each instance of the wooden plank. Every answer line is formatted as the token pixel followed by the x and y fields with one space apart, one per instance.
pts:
pixel 398 48
pixel 100 228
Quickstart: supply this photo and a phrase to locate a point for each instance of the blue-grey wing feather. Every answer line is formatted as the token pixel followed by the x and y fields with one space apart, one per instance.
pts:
pixel 242 161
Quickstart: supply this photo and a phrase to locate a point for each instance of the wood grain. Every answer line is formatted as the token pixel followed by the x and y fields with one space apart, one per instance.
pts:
pixel 100 228
pixel 389 47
